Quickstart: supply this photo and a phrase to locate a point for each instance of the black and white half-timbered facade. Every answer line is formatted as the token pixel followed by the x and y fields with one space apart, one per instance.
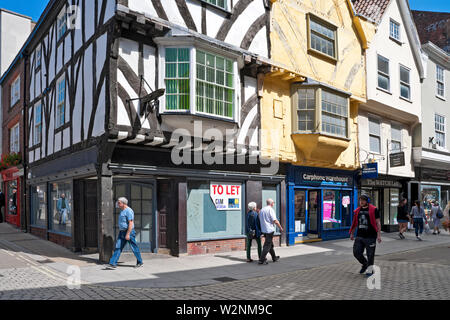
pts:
pixel 154 100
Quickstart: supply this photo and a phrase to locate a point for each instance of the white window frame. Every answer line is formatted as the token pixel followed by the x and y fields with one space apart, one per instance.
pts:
pixel 437 130
pixel 14 133
pixel 391 30
pixel 15 91
pixel 388 75
pixel 371 117
pixel 400 128
pixel 37 127
pixel 440 81
pixel 227 4
pixel 405 83
pixel 38 57
pixel 60 103
pixel 59 25
pixel 189 44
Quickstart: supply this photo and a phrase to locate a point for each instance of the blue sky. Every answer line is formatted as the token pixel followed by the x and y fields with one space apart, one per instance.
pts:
pixel 34 8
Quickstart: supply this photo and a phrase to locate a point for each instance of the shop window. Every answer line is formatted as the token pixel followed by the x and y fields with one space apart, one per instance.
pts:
pixel 271 192
pixel 300 210
pixel 337 209
pixel 61 207
pixel 391 202
pixel 39 205
pixel 205 222
pixel 428 195
pixel 13 197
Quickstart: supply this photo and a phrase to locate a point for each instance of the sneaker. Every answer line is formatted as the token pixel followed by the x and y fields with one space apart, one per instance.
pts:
pixel 401 236
pixel 434 233
pixel 363 269
pixel 112 266
pixel 419 238
pixel 139 265
pixel 249 260
pixel 263 262
pixel 277 258
pixel 370 272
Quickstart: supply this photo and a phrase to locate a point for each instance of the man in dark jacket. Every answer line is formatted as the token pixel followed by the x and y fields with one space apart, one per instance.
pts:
pixel 2 205
pixel 366 220
pixel 253 230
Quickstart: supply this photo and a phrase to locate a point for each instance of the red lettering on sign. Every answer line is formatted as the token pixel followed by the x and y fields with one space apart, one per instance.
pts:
pixel 220 190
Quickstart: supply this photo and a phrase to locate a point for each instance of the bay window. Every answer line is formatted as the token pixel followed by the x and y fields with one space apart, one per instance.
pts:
pixel 199 82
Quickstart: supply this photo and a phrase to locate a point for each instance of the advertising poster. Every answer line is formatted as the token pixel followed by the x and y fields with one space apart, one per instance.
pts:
pixel 226 196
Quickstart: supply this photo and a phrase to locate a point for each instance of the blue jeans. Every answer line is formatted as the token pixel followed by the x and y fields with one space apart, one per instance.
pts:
pixel 418 225
pixel 120 244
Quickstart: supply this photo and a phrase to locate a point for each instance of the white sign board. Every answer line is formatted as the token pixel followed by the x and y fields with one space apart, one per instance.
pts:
pixel 226 196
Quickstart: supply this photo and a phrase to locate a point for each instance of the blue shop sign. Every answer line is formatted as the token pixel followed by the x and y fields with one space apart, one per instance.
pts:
pixel 320 177
pixel 370 171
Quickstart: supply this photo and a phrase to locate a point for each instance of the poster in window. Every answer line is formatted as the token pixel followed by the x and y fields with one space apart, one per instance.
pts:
pixel 226 196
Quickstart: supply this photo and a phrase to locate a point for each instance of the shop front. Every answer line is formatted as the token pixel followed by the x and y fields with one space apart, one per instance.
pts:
pixel 385 193
pixel 12 184
pixel 321 204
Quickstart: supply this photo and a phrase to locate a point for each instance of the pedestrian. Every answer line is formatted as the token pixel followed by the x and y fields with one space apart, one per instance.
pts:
pixel 126 234
pixel 13 202
pixel 2 205
pixel 436 215
pixel 446 222
pixel 268 219
pixel 402 217
pixel 418 215
pixel 63 208
pixel 253 230
pixel 367 224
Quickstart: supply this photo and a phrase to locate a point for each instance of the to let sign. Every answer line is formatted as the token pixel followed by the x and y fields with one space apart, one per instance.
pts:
pixel 226 196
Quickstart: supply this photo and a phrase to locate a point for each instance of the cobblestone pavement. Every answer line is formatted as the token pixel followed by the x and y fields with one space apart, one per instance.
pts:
pixel 420 274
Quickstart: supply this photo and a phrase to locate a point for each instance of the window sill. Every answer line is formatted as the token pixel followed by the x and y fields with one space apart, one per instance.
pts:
pixel 322 55
pixel 15 104
pixel 406 99
pixel 399 42
pixel 384 90
pixel 60 233
pixel 199 115
pixel 441 97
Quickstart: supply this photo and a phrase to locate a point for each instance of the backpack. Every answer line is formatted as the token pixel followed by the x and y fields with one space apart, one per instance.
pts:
pixel 439 214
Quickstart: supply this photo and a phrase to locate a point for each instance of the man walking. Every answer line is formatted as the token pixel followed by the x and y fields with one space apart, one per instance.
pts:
pixel 126 234
pixel 367 221
pixel 268 218
pixel 2 205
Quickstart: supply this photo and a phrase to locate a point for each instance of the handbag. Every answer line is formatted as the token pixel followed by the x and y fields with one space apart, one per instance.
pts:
pixel 252 234
pixel 439 214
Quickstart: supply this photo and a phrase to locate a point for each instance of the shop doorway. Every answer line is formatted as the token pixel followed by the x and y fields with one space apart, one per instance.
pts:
pixel 141 198
pixel 314 213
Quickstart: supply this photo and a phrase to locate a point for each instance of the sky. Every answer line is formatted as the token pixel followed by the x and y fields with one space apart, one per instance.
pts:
pixel 34 8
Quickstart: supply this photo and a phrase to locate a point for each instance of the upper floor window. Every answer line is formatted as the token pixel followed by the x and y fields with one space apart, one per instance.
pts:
pixel 15 91
pixel 61 102
pixel 61 24
pixel 210 85
pixel 383 73
pixel 375 135
pixel 38 57
pixel 394 30
pixel 396 138
pixel 323 109
pixel 439 124
pixel 220 3
pixel 37 124
pixel 322 37
pixel 440 81
pixel 405 86
pixel 14 139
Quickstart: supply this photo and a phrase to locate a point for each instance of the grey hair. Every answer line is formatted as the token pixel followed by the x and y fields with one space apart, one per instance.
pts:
pixel 123 200
pixel 269 202
pixel 252 206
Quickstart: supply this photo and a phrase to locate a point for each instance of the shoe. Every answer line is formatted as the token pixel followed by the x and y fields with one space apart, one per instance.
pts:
pixel 434 233
pixel 249 260
pixel 363 269
pixel 277 258
pixel 139 265
pixel 370 272
pixel 112 266
pixel 263 262
pixel 419 238
pixel 439 232
pixel 401 236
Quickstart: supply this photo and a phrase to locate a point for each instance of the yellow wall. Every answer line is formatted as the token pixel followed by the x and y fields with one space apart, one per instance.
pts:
pixel 290 48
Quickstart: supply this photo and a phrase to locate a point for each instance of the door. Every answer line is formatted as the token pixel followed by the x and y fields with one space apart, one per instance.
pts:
pixel 90 215
pixel 140 197
pixel 313 211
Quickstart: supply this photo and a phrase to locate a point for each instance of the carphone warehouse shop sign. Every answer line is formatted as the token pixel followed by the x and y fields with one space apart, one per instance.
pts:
pixel 226 196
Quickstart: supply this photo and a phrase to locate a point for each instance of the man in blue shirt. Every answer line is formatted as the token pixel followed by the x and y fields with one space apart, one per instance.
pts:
pixel 126 234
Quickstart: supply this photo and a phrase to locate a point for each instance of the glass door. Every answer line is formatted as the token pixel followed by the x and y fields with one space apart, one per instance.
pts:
pixel 300 211
pixel 313 211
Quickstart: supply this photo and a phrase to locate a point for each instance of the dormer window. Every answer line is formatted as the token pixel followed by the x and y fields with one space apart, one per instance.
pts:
pixel 394 30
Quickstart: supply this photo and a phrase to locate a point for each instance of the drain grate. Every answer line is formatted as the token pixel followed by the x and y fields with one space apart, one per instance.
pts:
pixel 46 261
pixel 224 279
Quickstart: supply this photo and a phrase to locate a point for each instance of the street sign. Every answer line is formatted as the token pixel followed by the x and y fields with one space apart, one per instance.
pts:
pixel 370 171
pixel 397 159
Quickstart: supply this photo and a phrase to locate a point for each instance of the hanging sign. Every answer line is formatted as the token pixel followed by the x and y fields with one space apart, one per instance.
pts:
pixel 226 196
pixel 397 159
pixel 370 171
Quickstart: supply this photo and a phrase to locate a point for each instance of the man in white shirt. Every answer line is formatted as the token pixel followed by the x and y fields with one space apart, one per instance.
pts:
pixel 268 218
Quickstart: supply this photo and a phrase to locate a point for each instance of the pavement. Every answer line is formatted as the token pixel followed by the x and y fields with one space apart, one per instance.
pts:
pixel 410 269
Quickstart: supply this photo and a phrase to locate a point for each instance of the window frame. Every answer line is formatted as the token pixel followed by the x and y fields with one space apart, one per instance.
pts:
pixel 318 123
pixel 12 138
pixel 372 117
pixel 439 81
pixel 400 128
pixel 443 132
pixel 193 47
pixel 38 58
pixel 37 132
pixel 58 104
pixel 62 15
pixel 15 91
pixel 228 4
pixel 326 24
pixel 391 36
pixel 388 75
pixel 404 83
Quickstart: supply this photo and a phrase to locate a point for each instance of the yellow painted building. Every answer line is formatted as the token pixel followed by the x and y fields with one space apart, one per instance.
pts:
pixel 310 100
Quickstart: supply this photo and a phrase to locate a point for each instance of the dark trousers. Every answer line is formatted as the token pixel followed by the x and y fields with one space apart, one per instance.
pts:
pixel 418 225
pixel 249 246
pixel 369 245
pixel 1 214
pixel 268 247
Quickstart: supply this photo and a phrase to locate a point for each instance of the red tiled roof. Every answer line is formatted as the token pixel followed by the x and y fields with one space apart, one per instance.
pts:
pixel 372 9
pixel 433 27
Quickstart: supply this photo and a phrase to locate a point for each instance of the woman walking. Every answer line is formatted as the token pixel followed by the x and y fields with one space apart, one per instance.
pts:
pixel 436 215
pixel 253 230
pixel 418 214
pixel 402 217
pixel 446 222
